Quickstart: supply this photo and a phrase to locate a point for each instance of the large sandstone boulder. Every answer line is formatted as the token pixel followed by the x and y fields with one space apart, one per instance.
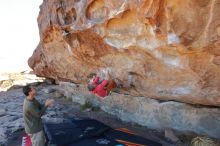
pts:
pixel 162 49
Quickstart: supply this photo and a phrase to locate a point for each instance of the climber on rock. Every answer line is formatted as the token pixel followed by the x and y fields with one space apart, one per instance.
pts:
pixel 93 81
pixel 99 87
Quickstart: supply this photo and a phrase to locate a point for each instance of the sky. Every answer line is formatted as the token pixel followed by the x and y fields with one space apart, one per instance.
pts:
pixel 19 34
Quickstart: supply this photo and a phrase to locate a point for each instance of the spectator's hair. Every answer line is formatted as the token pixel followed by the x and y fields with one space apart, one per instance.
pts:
pixel 26 89
pixel 91 75
pixel 91 87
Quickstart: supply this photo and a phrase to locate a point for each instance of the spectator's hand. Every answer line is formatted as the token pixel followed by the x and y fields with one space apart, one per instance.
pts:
pixel 49 102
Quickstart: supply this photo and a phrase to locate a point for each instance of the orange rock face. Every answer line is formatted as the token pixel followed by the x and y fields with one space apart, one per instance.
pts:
pixel 162 49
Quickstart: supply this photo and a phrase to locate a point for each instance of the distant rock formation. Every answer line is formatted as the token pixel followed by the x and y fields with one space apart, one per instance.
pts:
pixel 162 49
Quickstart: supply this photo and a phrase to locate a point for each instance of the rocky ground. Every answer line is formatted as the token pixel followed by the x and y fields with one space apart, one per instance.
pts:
pixel 11 100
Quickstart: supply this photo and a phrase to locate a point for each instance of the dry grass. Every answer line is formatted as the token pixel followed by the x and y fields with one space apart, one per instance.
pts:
pixel 10 80
pixel 203 141
pixel 6 83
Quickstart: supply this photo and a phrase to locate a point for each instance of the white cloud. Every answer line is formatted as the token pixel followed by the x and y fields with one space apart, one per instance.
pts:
pixel 19 34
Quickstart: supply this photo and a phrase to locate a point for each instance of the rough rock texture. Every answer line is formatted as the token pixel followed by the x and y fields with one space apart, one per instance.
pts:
pixel 11 118
pixel 162 49
pixel 11 102
pixel 151 113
